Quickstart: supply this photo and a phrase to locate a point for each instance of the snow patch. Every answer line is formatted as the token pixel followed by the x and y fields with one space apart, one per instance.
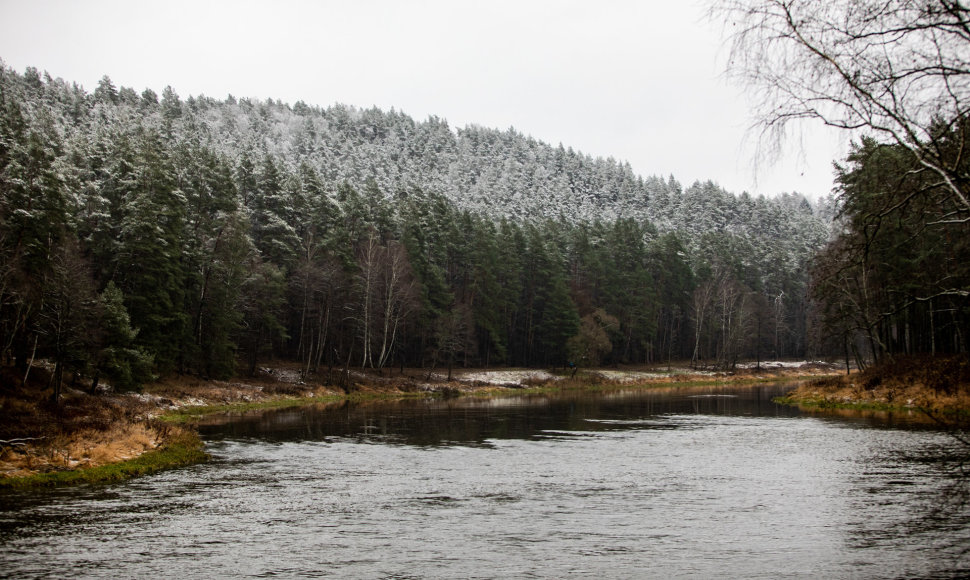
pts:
pixel 780 364
pixel 505 377
pixel 629 376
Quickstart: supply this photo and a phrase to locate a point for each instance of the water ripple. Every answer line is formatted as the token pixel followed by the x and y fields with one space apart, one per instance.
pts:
pixel 574 487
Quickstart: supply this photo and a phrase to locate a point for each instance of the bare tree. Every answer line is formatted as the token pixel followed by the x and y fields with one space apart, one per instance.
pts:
pixel 398 297
pixel 388 294
pixel 732 309
pixel 67 319
pixel 701 304
pixel 367 257
pixel 454 335
pixel 897 70
pixel 318 278
pixel 842 280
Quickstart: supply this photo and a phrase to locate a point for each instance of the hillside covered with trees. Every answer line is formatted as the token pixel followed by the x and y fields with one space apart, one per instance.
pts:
pixel 145 234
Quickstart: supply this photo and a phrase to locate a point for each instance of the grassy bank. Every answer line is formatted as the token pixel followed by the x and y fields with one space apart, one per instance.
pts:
pixel 104 437
pixel 937 386
pixel 184 448
pixel 541 382
pixel 85 438
pixel 190 414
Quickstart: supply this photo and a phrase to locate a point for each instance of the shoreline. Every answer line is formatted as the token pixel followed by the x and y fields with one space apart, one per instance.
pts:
pixel 935 388
pixel 185 449
pixel 166 410
pixel 939 385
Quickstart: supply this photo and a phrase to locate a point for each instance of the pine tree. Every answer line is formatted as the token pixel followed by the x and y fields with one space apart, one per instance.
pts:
pixel 149 266
pixel 262 301
pixel 273 232
pixel 117 359
pixel 33 225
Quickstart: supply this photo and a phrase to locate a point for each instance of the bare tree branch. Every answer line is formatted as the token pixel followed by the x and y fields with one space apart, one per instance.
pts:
pixel 896 69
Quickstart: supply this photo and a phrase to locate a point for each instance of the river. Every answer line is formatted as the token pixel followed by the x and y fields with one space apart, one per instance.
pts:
pixel 699 483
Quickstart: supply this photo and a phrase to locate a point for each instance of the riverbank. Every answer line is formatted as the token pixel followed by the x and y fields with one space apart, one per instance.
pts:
pixel 85 438
pixel 936 386
pixel 107 436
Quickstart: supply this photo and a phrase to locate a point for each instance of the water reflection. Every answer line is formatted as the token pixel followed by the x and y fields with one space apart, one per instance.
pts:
pixel 475 421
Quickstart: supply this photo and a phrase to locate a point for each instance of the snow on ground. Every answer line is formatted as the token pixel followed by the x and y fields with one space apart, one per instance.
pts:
pixel 284 375
pixel 521 377
pixel 629 376
pixel 779 364
pixel 505 377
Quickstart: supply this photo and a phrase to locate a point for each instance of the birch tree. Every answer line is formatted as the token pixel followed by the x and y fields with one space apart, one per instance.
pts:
pixel 895 70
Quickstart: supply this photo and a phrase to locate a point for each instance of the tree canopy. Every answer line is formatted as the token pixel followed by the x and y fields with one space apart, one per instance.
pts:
pixel 207 236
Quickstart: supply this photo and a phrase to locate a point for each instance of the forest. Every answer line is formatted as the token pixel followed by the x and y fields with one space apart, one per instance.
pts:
pixel 144 235
pixel 897 278
pixel 895 77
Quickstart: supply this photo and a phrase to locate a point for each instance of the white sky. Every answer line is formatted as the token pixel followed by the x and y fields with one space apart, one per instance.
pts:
pixel 639 81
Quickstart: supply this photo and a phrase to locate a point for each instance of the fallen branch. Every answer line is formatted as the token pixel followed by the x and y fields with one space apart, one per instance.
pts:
pixel 19 442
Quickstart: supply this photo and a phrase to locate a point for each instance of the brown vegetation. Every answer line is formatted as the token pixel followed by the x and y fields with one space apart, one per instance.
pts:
pixel 81 431
pixel 937 384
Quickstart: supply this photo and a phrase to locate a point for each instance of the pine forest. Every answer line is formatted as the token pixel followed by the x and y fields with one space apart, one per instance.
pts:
pixel 144 235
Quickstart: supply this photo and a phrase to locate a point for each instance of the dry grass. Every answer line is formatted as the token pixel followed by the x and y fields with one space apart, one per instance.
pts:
pixel 268 384
pixel 83 449
pixel 938 384
pixel 81 431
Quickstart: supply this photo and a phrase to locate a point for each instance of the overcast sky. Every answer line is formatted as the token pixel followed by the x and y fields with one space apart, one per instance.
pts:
pixel 639 81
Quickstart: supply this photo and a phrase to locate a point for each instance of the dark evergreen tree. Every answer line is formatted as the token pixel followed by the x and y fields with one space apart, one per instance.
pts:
pixel 272 218
pixel 236 230
pixel 149 266
pixel 118 360
pixel 895 281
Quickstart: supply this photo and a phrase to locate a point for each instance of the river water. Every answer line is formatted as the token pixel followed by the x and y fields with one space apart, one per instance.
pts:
pixel 697 483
